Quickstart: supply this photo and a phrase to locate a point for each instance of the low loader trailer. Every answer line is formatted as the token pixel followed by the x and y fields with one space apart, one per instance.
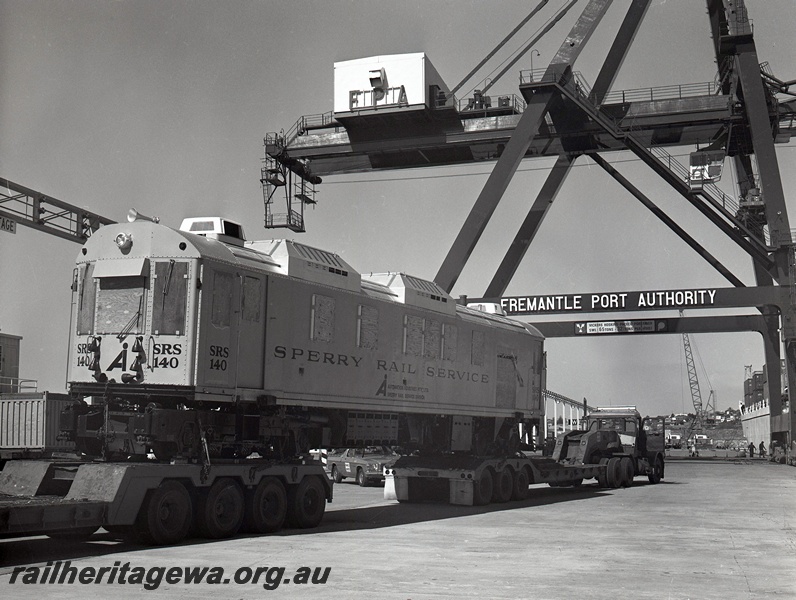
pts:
pixel 159 503
pixel 615 446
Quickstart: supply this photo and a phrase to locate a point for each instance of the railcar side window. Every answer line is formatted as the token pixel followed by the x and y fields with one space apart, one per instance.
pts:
pixel 478 348
pixel 322 319
pixel 507 379
pixel 432 339
pixel 86 299
pixel 120 305
pixel 222 299
pixel 169 298
pixel 450 337
pixel 368 327
pixel 252 298
pixel 413 335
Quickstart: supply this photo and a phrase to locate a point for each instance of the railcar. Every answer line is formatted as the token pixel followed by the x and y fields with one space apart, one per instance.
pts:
pixel 194 342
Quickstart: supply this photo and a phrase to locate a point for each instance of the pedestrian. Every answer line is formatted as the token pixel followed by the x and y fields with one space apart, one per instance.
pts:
pixel 751 449
pixel 762 450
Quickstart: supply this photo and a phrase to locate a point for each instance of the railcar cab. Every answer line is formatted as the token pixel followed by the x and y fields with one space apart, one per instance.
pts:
pixel 133 309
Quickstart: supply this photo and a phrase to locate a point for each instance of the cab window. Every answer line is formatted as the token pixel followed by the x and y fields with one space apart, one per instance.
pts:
pixel 120 305
pixel 169 298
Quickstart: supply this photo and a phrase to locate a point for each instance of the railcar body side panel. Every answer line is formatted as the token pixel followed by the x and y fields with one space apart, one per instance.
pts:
pixel 413 360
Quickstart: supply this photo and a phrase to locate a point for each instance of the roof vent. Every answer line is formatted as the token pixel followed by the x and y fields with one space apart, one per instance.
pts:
pixel 414 291
pixel 310 264
pixel 215 228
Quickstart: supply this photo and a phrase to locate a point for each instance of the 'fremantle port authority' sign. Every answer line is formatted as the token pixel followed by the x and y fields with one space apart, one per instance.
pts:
pixel 637 301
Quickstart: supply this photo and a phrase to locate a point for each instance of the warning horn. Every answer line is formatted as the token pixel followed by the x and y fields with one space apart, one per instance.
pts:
pixel 134 215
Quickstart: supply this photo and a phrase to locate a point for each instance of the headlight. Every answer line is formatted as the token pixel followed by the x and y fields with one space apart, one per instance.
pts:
pixel 124 241
pixel 374 467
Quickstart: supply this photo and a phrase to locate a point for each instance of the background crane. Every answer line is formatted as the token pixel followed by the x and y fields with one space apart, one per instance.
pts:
pixel 701 412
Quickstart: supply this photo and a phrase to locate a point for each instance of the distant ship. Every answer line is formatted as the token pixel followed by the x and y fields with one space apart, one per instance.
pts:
pixel 755 411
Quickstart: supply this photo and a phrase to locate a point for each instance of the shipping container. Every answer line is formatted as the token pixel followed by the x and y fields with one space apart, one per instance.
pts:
pixel 29 424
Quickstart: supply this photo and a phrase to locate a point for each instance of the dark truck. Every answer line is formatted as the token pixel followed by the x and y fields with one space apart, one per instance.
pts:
pixel 621 440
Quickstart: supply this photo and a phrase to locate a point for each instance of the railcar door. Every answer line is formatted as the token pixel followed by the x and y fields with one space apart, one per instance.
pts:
pixel 219 315
pixel 251 341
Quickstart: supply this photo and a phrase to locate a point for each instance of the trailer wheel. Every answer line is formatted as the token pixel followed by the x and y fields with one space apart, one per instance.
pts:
pixel 306 503
pixel 74 535
pixel 482 489
pixel 614 472
pixel 266 506
pixel 165 515
pixel 504 484
pixel 656 474
pixel 520 485
pixel 336 474
pixel 628 471
pixel 221 509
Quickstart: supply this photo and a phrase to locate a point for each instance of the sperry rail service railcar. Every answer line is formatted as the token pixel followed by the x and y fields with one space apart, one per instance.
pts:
pixel 194 342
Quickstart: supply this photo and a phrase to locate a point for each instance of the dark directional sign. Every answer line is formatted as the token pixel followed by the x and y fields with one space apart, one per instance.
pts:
pixel 639 301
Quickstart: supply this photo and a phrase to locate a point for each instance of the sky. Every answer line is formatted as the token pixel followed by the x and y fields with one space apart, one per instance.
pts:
pixel 162 105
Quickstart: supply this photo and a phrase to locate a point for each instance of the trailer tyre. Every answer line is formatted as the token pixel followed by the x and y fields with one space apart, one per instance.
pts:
pixel 503 487
pixel 614 472
pixel 221 509
pixel 520 485
pixel 656 474
pixel 165 515
pixel 628 471
pixel 306 503
pixel 482 489
pixel 266 506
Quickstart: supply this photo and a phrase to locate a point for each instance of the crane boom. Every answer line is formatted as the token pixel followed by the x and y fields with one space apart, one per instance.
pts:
pixel 39 211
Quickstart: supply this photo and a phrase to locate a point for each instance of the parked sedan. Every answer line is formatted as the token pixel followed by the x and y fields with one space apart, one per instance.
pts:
pixel 365 464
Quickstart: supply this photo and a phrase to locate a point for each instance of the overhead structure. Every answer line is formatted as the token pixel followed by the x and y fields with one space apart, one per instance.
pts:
pixel 740 115
pixel 45 213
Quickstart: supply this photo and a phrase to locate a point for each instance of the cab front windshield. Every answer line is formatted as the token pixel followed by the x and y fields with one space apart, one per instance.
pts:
pixel 618 424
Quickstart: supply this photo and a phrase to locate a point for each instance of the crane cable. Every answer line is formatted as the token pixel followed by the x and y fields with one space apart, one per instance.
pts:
pixel 551 23
pixel 499 46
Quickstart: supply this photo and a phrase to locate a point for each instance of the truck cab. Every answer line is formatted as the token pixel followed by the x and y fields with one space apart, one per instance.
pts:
pixel 620 438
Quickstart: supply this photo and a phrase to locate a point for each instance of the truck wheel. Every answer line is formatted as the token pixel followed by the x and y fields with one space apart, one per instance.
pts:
pixel 614 472
pixel 482 489
pixel 520 485
pixel 628 471
pixel 602 476
pixel 336 474
pixel 306 503
pixel 503 486
pixel 165 515
pixel 361 481
pixel 656 474
pixel 221 509
pixel 266 506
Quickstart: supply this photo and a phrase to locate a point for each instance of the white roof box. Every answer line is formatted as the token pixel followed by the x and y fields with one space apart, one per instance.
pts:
pixel 413 291
pixel 216 228
pixel 310 264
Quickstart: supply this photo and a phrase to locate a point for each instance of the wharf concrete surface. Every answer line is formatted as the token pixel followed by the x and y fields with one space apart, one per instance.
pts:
pixel 723 530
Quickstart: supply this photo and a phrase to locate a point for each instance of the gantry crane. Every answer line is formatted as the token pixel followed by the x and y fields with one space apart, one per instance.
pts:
pixel 740 115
